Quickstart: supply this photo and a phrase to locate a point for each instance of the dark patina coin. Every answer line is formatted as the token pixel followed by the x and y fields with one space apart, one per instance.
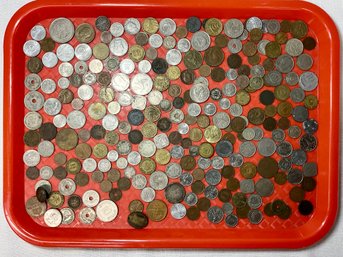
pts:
pixel 255 116
pixel 228 171
pixel 187 162
pixel 267 97
pixel 224 195
pixel 224 148
pixel 308 184
pixel 48 131
pixel 193 24
pixel 232 184
pixel 175 137
pixel 216 94
pixel 267 167
pixel 310 126
pixel 269 124
pixel 115 194
pixel 47 44
pixel 164 124
pixel 65 96
pixel 34 65
pixel 159 66
pixel 192 59
pixel 214 56
pixel 31 138
pixel 41 194
pixel 60 172
pixel 244 70
pixel 104 78
pixel 135 117
pixel 239 200
pixel 178 102
pixel 135 136
pixel 187 97
pixel 234 61
pixel 297 194
pixel 81 179
pixel 305 207
pixel 193 213
pixel 284 123
pixel 175 193
pixel 124 184
pixel 309 43
pixel 308 143
pixel 75 80
pixel 74 201
pixel 98 132
pixel 102 23
pixel 186 143
pixel 198 187
pixel 268 210
pixel 203 204
pixel 32 173
pixel 218 74
pixel 243 212
pixel 221 40
pixel 187 76
pixel 137 220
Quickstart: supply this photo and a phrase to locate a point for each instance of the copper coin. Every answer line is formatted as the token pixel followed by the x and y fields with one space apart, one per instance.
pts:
pixel 193 213
pixel 267 167
pixel 32 173
pixel 60 172
pixel 32 138
pixel 124 184
pixel 203 204
pixel 60 158
pixel 83 151
pixel 115 194
pixel 66 139
pixel 198 187
pixel 156 210
pixel 228 171
pixel 187 162
pixel 81 179
pixel 297 194
pixel 136 206
pixel 137 220
pixel 73 166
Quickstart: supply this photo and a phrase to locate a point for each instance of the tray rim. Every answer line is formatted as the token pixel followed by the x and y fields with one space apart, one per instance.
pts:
pixel 183 242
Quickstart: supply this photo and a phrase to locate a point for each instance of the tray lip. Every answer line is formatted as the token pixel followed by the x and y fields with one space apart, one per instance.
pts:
pixel 311 239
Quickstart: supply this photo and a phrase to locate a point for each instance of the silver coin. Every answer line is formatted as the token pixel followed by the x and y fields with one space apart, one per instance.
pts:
pixel 217 162
pixel 169 42
pixel 161 140
pixel 65 52
pixel 177 152
pixel 87 215
pixel 147 148
pixel 90 198
pixel 49 60
pixel 294 47
pixel 231 74
pixel 155 97
pixel 229 89
pixel 234 45
pixel 61 30
pixel 77 104
pixel 141 84
pixel 45 148
pixel 236 109
pixel 183 128
pixel 173 170
pixel 31 48
pixel 106 211
pixel 200 41
pixel 295 176
pixel 273 26
pixel 278 135
pixel 158 180
pixel 139 181
pixel 221 120
pixel 297 95
pixel 308 81
pixel 167 27
pixel 211 192
pixel 178 211
pixel 184 45
pixel 124 127
pixel 254 201
pixel 67 186
pixel 110 122
pixel 117 29
pixel 304 62
pixel 43 183
pixel 224 103
pixel 284 149
pixel 132 26
pixel 284 63
pixel 81 67
pixel 122 163
pixel 48 86
pixel 96 66
pixel 89 165
pixel 199 93
pixel 213 177
pixel 148 194
pixel 83 52
pixel 258 133
pixel 294 131
pixel 173 57
pixel 144 66
pixel 264 187
pixel 124 147
pixel 236 160
pixel 215 214
pixel 68 216
pixel 113 107
pixel 261 46
pixel 247 186
pixel 134 158
pixel 104 165
pixel 244 35
pixel 52 106
pixel 120 81
pixel 139 102
pixel 248 134
pixel 176 116
pixel 273 78
pixel 33 120
pixel 231 220
pixel 191 199
pixel 247 149
pixel 85 92
pixel 52 218
pixel 38 32
pixel 65 69
pixel 266 147
pixel 292 78
pixel 253 23
pixel 46 172
pixel 202 81
pixel 255 216
pixel 112 155
pixel 194 109
pixel 32 81
pixel 257 71
pixel 186 179
pixel 233 28
pixel 63 83
pixel 310 169
pixel 155 40
pixel 127 66
pixel 119 46
pixel 166 105
pixel 129 172
pixel 125 98
pixel 76 119
pixel 204 163
pixel 34 101
pixel 209 109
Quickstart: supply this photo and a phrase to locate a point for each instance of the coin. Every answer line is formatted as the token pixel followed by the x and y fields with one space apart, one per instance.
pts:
pixel 157 210
pixel 137 220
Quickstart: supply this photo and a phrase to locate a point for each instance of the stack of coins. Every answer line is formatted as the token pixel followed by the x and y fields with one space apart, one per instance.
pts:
pixel 198 119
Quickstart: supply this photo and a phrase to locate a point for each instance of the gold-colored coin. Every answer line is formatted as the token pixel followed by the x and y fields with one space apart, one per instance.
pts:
pixel 56 200
pixel 212 134
pixel 73 166
pixel 101 51
pixel 147 166
pixel 152 113
pixel 106 94
pixel 282 92
pixel 213 26
pixel 111 137
pixel 248 170
pixel 206 150
pixel 242 97
pixel 173 72
pixel 284 109
pixel 83 151
pixel 161 83
pixel 100 150
pixel 97 111
pixel 270 110
pixel 205 70
pixel 311 102
pixel 136 53
pixel 203 121
pixel 136 206
pixel 157 210
pixel 162 156
pixel 174 90
pixel 195 134
pixel 149 130
pixel 150 25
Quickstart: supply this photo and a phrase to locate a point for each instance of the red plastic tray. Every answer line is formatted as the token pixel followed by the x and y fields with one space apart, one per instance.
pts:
pixel 282 234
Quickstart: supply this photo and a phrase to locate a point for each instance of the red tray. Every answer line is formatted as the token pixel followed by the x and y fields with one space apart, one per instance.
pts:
pixel 285 234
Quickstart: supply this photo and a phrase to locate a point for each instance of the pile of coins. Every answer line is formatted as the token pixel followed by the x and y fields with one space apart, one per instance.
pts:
pixel 204 118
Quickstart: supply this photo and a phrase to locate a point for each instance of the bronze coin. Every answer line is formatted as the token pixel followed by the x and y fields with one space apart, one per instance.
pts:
pixel 198 187
pixel 157 210
pixel 104 78
pixel 238 124
pixel 136 206
pixel 232 184
pixel 181 32
pixel 111 137
pixel 214 56
pixel 193 213
pixel 297 194
pixel 84 135
pixel 97 176
pixel 221 40
pixel 198 174
pixel 32 173
pixel 284 123
pixel 273 49
pixel 83 151
pixel 141 38
pixel 285 26
pixel 268 64
pixel 229 136
pixel 60 172
pixel 192 59
pixel 34 65
pixel 31 138
pixel 47 44
pixel 74 202
pixel 75 80
pixel 228 171
pixel 65 96
pixel 281 38
pixel 205 70
pixel 286 212
pixel 203 121
pixel 299 29
pixel 308 184
pixel 284 109
pixel 56 200
pixel 66 139
pixel 81 179
pixel 186 143
pixel 190 120
pixel 224 195
pixel 164 124
pixel 269 124
pixel 187 76
pixel 48 131
pixel 280 178
pixel 187 162
pixel 98 132
pixel 203 204
pixel 113 175
pixel 115 194
pixel 234 61
pixel 270 110
pixel 106 186
pixel 242 212
pixel 309 43
pixel 250 48
pixel 255 35
pixel 244 70
pixel 218 74
pixel 187 97
pixel 255 116
pixel 267 167
pixel 60 158
pixel 137 220
pixel 175 137
pixel 174 90
pixel 239 200
pixel 124 184
pixel 248 170
pixel 147 165
pixel 268 210
pixel 73 166
pixel 254 60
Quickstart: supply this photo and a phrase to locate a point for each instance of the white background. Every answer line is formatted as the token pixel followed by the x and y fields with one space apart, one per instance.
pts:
pixel 12 245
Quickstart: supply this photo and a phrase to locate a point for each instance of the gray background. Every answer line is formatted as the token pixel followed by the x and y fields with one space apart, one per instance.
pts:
pixel 12 245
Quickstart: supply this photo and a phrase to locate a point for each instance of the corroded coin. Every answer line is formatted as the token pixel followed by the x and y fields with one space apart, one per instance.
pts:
pixel 137 220
pixel 157 210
